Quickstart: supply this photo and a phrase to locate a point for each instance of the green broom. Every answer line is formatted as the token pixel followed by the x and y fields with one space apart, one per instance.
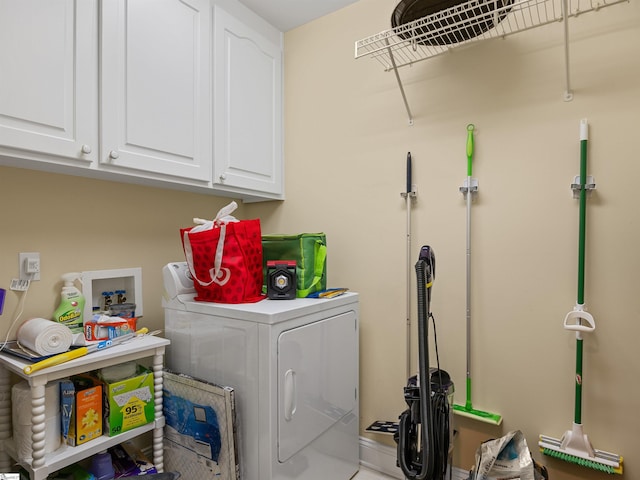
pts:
pixel 467 409
pixel 574 446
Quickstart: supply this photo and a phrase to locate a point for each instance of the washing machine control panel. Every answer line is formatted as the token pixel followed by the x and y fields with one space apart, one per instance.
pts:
pixel 177 279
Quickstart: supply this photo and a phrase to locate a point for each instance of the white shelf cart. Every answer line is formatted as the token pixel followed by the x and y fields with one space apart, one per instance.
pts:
pixel 43 464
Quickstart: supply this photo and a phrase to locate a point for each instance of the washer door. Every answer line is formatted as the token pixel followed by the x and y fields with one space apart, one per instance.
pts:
pixel 317 380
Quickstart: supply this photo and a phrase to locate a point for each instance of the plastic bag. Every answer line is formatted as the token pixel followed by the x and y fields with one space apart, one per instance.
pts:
pixel 506 458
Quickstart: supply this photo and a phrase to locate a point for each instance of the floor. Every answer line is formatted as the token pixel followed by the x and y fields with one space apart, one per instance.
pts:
pixel 367 474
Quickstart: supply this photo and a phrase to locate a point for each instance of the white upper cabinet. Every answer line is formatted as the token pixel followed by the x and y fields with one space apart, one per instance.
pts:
pixel 48 79
pixel 173 93
pixel 155 87
pixel 247 105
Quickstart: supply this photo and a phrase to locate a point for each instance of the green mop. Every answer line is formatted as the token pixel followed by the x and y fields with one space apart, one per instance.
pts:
pixel 467 409
pixel 574 446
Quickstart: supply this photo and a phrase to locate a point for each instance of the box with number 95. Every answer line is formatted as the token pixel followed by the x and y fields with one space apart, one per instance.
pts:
pixel 128 402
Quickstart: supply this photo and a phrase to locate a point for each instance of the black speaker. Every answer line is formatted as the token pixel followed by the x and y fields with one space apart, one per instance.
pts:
pixel 281 279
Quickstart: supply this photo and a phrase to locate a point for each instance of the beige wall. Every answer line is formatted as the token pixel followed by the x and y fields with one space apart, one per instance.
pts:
pixel 79 224
pixel 346 143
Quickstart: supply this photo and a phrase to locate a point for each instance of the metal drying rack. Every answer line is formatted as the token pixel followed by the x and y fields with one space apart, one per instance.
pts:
pixel 449 29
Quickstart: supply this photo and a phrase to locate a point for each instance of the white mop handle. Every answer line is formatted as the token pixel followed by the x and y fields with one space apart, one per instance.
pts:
pixel 584 129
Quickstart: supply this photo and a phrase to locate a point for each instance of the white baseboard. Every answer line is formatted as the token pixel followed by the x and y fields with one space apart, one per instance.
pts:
pixel 382 458
pixel 379 457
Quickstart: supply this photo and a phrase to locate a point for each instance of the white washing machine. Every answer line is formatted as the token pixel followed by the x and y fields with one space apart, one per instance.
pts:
pixel 294 367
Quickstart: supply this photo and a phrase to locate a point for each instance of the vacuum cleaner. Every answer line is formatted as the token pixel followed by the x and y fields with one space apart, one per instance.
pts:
pixel 425 427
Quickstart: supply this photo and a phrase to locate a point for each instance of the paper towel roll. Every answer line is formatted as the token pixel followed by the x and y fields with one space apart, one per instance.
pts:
pixel 22 438
pixel 21 401
pixel 21 418
pixel 45 337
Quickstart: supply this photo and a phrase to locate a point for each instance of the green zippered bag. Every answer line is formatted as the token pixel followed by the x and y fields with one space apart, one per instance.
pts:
pixel 309 250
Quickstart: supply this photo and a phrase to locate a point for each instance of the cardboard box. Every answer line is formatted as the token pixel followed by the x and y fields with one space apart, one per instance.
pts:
pixel 86 416
pixel 101 327
pixel 67 400
pixel 129 403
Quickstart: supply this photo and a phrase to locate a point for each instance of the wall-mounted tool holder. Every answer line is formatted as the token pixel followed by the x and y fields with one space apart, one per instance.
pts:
pixel 589 186
pixel 464 189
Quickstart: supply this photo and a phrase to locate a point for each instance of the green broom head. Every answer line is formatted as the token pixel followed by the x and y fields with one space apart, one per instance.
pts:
pixel 470 412
pixel 575 447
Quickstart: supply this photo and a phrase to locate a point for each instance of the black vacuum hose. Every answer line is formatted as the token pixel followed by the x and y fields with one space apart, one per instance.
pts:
pixel 412 466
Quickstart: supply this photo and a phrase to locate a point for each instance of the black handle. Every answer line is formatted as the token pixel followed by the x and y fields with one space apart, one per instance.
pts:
pixel 408 172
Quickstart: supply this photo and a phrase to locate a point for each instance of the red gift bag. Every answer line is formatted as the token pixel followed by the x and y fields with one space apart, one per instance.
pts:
pixel 225 258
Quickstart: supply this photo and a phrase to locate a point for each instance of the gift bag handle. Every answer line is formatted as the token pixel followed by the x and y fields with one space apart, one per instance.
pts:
pixel 217 274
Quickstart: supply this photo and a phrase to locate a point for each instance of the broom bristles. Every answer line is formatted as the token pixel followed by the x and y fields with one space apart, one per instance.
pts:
pixel 583 462
pixel 601 461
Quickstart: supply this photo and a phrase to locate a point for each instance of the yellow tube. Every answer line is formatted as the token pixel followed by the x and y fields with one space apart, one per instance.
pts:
pixel 56 360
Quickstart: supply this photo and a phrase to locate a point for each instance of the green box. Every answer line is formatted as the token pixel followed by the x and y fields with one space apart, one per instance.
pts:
pixel 128 403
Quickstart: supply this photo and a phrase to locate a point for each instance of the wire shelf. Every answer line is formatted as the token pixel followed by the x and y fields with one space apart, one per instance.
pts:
pixel 469 22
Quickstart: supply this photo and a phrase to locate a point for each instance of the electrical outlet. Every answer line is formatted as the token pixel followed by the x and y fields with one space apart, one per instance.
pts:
pixel 19 285
pixel 29 266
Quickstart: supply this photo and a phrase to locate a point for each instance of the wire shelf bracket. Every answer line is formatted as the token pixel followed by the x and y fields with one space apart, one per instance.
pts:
pixel 449 29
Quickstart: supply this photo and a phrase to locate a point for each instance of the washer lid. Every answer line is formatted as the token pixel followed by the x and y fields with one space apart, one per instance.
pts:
pixel 266 311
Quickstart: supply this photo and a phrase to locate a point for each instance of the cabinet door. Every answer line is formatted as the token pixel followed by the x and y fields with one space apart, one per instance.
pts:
pixel 317 380
pixel 155 100
pixel 247 107
pixel 48 79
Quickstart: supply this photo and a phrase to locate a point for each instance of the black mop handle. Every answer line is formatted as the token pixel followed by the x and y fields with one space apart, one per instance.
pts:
pixel 408 173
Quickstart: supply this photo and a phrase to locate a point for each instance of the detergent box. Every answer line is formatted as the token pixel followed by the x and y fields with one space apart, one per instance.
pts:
pixel 129 402
pixel 67 400
pixel 86 414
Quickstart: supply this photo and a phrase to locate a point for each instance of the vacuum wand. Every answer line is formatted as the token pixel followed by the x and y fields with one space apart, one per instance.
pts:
pixel 408 194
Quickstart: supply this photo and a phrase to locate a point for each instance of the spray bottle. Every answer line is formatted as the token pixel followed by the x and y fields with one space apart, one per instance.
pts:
pixel 71 308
